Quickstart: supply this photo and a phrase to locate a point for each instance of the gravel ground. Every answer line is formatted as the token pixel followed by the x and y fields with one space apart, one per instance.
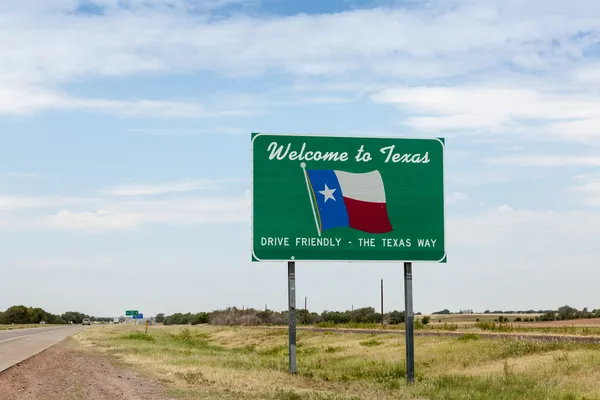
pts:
pixel 65 373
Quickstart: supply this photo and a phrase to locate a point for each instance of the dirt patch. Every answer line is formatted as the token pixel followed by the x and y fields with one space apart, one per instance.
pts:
pixel 65 372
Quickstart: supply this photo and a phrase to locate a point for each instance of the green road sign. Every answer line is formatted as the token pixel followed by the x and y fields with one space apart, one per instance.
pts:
pixel 131 312
pixel 332 198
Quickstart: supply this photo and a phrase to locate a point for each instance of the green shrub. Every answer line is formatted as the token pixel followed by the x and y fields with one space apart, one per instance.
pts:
pixel 469 336
pixel 371 342
pixel 486 325
pixel 333 349
pixel 138 336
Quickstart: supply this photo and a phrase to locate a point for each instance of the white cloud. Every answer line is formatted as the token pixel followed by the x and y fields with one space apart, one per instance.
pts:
pixel 25 100
pixel 43 48
pixel 555 160
pixel 188 132
pixel 589 73
pixel 533 232
pixel 25 175
pixel 539 256
pixel 126 207
pixel 496 109
pixel 94 221
pixel 66 262
pixel 457 197
pixel 327 100
pixel 20 202
pixel 133 215
pixel 183 185
pixel 588 186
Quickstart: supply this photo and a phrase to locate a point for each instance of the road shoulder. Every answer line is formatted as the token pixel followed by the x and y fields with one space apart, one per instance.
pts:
pixel 65 372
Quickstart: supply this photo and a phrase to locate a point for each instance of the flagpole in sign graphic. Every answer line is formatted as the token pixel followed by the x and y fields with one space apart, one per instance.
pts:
pixel 347 199
pixel 311 197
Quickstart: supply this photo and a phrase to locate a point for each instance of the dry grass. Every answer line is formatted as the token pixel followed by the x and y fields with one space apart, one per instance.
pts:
pixel 244 363
pixel 19 326
pixel 583 322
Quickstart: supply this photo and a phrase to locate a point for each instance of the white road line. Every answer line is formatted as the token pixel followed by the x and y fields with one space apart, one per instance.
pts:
pixel 33 334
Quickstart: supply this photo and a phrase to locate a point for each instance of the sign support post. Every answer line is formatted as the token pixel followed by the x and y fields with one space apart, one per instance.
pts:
pixel 292 315
pixel 409 317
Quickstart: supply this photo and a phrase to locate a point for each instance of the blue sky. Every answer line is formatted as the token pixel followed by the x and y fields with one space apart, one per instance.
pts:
pixel 126 146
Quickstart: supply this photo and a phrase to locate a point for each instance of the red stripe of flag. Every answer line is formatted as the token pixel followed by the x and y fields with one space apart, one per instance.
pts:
pixel 368 217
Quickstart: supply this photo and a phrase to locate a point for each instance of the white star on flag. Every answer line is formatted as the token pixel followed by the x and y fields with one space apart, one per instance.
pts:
pixel 328 193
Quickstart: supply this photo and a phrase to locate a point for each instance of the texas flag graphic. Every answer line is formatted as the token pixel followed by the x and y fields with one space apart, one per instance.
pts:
pixel 346 199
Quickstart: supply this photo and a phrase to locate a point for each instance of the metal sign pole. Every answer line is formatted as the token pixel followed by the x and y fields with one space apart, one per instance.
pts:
pixel 292 314
pixel 410 343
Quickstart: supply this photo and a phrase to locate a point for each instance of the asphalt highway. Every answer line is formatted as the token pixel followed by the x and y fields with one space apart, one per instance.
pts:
pixel 18 345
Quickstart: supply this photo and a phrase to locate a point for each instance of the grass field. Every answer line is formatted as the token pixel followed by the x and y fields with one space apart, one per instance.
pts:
pixel 10 327
pixel 244 363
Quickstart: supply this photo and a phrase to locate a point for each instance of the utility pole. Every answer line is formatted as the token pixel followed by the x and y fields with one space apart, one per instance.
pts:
pixel 382 303
pixel 305 311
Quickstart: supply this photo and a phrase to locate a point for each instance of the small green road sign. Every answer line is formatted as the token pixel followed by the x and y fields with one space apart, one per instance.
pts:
pixel 333 198
pixel 131 312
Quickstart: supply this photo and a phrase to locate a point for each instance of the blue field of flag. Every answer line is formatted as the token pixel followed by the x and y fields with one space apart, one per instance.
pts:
pixel 329 199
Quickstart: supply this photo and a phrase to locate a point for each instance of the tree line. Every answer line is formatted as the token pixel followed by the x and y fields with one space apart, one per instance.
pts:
pixel 461 312
pixel 21 314
pixel 567 312
pixel 561 314
pixel 365 315
pixel 251 316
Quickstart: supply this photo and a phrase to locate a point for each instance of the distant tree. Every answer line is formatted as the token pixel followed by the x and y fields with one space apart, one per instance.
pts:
pixel 160 318
pixel 547 316
pixel 444 311
pixel 425 320
pixel 397 317
pixel 200 318
pixel 567 312
pixel 305 317
pixel 74 316
pixel 37 315
pixel 178 319
pixel 17 315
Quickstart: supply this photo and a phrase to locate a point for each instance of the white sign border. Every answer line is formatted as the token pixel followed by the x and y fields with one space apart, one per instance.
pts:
pixel 293 258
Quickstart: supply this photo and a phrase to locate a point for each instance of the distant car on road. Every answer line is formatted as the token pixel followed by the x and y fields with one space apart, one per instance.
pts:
pixel 86 321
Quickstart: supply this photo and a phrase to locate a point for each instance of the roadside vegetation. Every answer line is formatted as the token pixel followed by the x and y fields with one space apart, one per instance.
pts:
pixel 245 363
pixel 22 315
pixel 565 320
pixel 561 321
pixel 368 316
